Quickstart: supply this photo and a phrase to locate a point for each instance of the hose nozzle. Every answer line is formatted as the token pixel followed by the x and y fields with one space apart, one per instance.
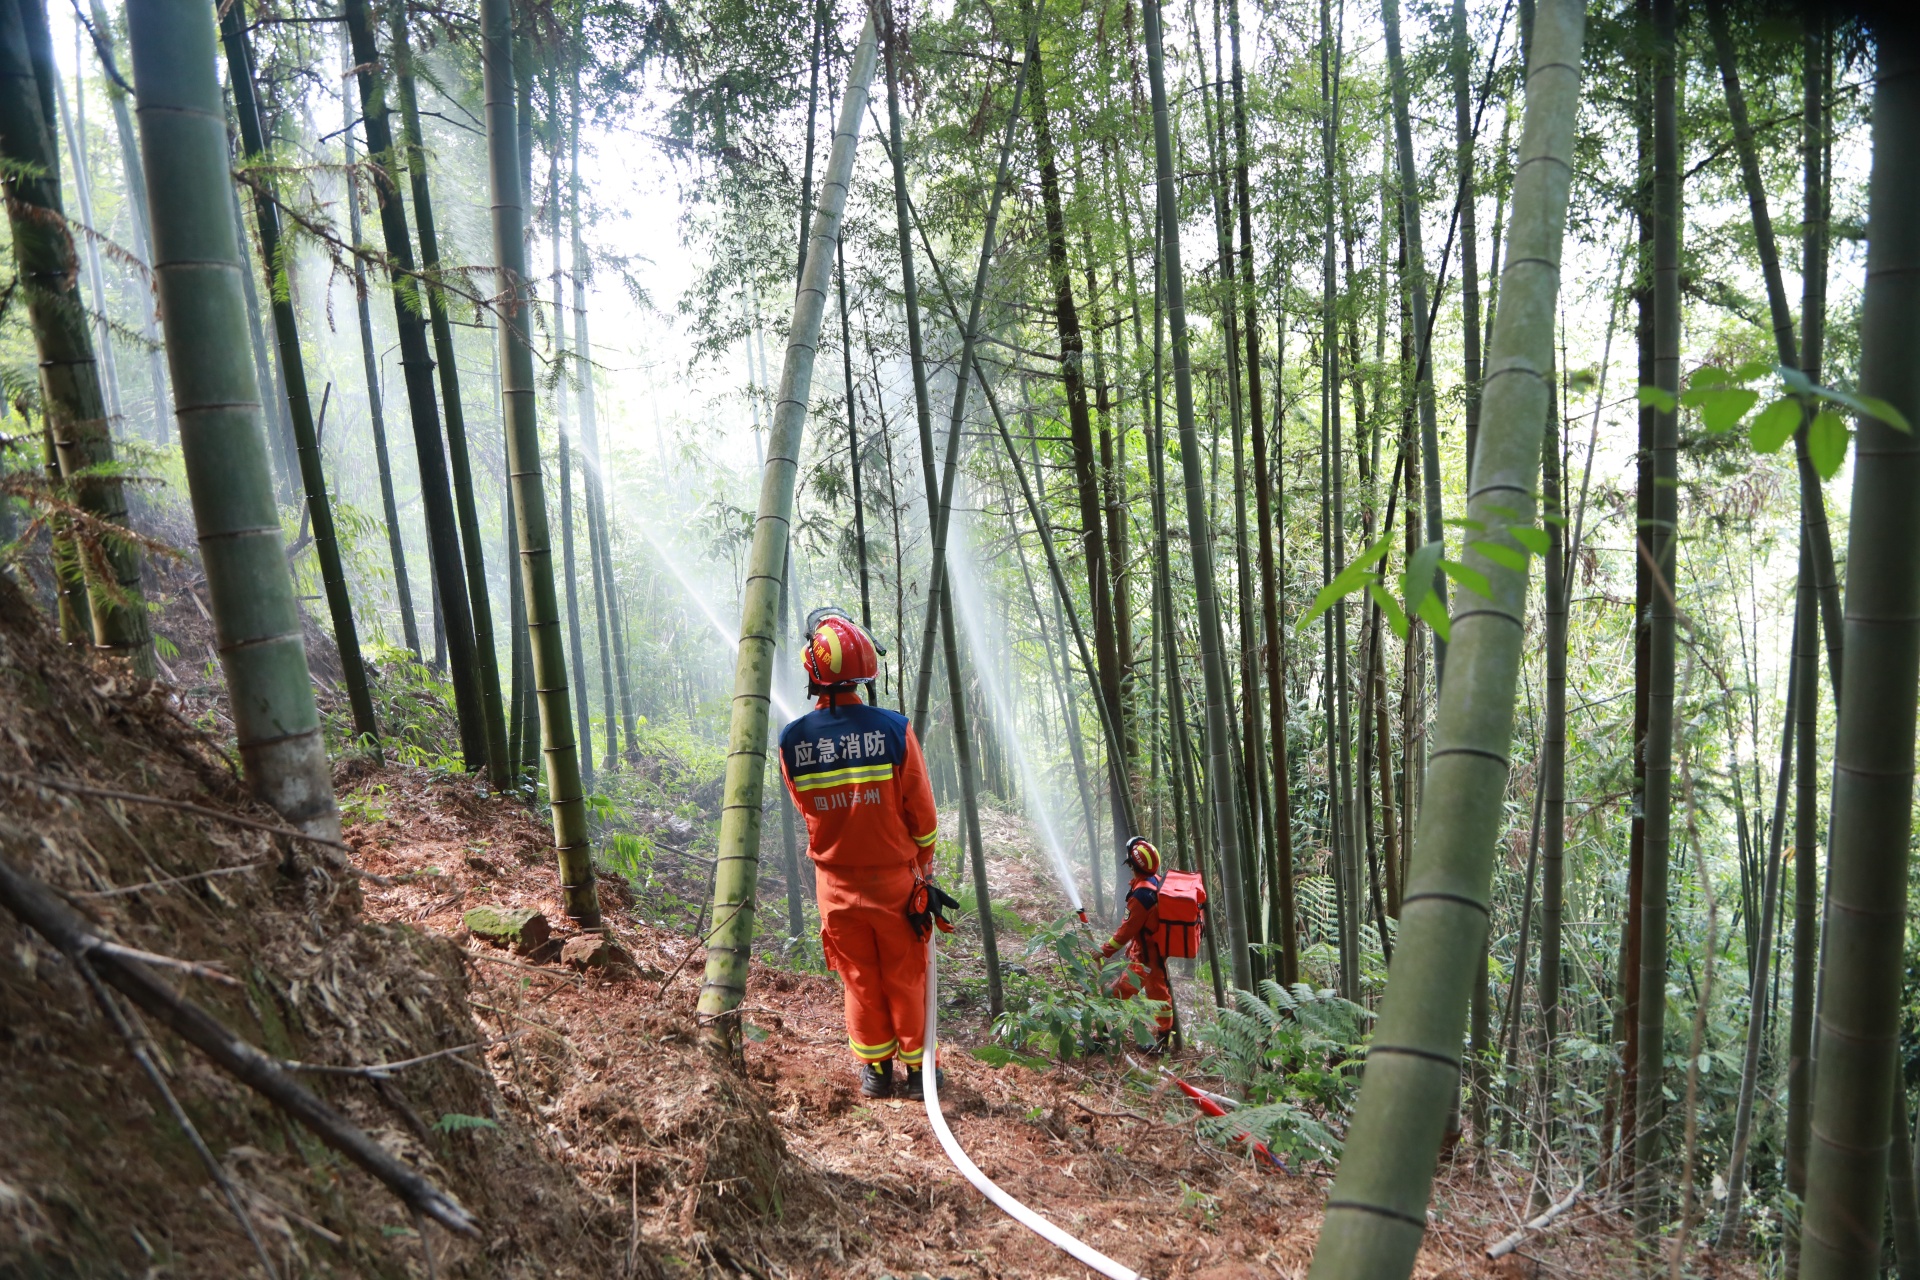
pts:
pixel 1082 913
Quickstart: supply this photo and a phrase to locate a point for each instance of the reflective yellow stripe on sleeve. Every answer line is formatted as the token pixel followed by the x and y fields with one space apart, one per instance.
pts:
pixel 927 839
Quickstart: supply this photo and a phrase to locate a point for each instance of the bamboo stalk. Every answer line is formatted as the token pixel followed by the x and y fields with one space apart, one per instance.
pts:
pixel 454 611
pixel 452 407
pixel 1763 958
pixel 1225 803
pixel 1409 179
pixel 1376 1213
pixel 199 268
pixel 101 31
pixel 738 861
pixel 370 365
pixel 306 439
pixel 1859 1010
pixel 74 411
pixel 1658 539
pixel 546 653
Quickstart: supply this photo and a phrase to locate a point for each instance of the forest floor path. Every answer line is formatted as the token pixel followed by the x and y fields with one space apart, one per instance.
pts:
pixel 788 1172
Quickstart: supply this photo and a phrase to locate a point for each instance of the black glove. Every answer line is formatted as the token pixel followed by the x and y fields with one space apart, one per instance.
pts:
pixel 927 906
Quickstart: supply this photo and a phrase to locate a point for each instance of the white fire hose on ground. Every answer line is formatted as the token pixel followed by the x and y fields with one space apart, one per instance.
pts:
pixel 930 1086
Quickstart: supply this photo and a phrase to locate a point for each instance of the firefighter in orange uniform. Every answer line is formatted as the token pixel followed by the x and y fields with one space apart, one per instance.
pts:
pixel 857 773
pixel 1139 934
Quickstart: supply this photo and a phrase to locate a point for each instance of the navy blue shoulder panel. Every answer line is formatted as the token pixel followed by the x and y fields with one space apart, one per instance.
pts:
pixel 850 736
pixel 1147 896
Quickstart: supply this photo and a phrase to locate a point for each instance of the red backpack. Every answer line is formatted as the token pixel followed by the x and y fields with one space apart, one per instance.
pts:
pixel 1177 918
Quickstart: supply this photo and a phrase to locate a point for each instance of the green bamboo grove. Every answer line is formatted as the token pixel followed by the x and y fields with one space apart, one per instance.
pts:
pixel 1439 472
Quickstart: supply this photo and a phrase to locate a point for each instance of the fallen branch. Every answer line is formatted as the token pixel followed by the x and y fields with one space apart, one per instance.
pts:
pixel 185 806
pixel 1507 1244
pixel 207 971
pixel 37 907
pixel 1113 1115
pixel 115 1015
pixel 144 885
pixel 380 1070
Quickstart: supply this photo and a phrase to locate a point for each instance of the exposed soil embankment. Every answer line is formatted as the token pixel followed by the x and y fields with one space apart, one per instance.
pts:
pixel 96 1178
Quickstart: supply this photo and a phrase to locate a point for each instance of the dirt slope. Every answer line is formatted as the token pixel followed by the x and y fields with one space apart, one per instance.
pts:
pixel 834 1185
pixel 95 1178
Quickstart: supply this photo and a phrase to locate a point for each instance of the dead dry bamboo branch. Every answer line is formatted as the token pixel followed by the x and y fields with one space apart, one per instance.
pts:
pixel 1508 1243
pixel 36 906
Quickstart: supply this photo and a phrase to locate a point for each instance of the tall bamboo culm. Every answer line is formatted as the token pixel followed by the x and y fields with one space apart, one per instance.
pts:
pixel 75 410
pixel 286 328
pixel 1657 543
pixel 1860 978
pixel 1377 1212
pixel 545 637
pixel 736 874
pixel 472 545
pixel 199 268
pixel 1224 803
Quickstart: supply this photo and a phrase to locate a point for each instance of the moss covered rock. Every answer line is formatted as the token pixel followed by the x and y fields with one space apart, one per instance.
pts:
pixel 521 928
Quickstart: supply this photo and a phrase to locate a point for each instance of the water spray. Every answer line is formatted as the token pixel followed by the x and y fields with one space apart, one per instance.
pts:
pixel 782 703
pixel 971 609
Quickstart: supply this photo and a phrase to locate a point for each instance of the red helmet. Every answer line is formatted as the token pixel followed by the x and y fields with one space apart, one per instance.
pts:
pixel 839 654
pixel 1143 857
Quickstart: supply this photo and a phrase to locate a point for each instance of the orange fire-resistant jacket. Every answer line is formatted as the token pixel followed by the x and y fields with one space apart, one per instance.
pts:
pixel 1143 899
pixel 1148 970
pixel 857 774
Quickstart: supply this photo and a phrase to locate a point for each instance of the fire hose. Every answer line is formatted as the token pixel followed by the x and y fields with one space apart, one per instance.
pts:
pixel 1019 1212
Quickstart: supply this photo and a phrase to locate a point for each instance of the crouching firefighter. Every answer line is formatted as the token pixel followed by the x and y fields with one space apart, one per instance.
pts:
pixel 1163 920
pixel 857 773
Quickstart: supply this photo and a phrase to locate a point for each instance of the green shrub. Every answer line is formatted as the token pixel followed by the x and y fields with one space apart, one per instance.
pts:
pixel 1297 1053
pixel 1066 1010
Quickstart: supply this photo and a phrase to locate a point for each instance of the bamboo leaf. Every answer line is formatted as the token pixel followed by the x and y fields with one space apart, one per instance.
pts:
pixel 1657 398
pixel 1339 589
pixel 1865 406
pixel 1796 381
pixel 1472 579
pixel 1434 614
pixel 1827 439
pixel 1878 408
pixel 1534 540
pixel 1705 378
pixel 1416 584
pixel 1504 556
pixel 1390 608
pixel 1752 369
pixel 1722 410
pixel 1349 580
pixel 1775 425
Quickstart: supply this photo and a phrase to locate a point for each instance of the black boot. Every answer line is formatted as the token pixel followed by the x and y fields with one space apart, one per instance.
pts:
pixel 876 1079
pixel 1162 1044
pixel 912 1087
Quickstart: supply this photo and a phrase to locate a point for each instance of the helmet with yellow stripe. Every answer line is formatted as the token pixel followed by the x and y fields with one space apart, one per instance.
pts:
pixel 839 653
pixel 1142 856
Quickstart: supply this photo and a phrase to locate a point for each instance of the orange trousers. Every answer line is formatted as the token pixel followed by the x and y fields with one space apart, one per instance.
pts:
pixel 1154 979
pixel 884 970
